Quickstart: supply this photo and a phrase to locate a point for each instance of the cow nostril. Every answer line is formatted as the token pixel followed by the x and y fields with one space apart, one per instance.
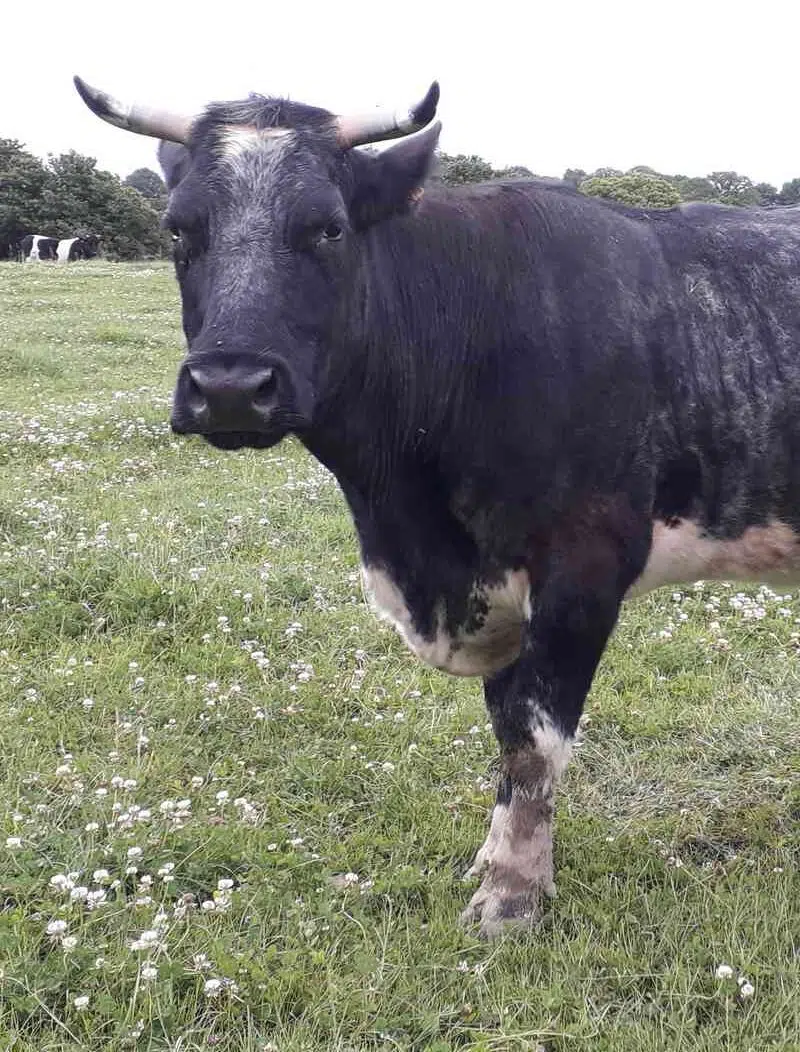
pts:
pixel 264 395
pixel 195 399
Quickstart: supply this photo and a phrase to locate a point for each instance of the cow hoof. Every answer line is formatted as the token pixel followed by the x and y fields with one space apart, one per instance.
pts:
pixel 498 912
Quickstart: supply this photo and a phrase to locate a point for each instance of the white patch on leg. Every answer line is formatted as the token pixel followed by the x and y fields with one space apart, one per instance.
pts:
pixel 551 744
pixel 486 852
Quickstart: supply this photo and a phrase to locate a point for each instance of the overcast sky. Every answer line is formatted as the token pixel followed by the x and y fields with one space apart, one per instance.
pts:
pixel 682 86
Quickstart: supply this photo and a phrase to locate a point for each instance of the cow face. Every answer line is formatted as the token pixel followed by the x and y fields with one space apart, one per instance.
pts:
pixel 270 210
pixel 268 215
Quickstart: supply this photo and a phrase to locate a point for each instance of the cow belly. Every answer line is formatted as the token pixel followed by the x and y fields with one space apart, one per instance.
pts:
pixel 683 553
pixel 480 649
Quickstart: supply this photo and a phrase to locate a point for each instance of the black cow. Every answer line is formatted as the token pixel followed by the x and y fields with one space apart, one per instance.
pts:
pixel 536 403
pixel 36 247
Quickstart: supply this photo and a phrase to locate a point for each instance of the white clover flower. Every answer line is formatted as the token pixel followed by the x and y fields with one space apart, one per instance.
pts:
pixel 13 842
pixel 63 770
pixel 208 905
pixel 81 1002
pixel 95 898
pixel 69 942
pixel 724 971
pixel 134 852
pixel 101 876
pixel 91 827
pixel 146 940
pixel 61 882
pixel 78 894
pixel 213 987
pixel 746 988
pixel 222 796
pixel 56 927
pixel 225 884
pixel 149 972
pixel 200 962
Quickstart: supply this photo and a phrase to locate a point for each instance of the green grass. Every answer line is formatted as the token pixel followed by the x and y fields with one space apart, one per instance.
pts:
pixel 182 625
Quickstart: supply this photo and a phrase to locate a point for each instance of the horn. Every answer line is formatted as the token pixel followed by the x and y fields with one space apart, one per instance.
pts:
pixel 144 120
pixel 358 130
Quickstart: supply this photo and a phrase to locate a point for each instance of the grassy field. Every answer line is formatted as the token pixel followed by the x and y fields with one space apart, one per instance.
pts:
pixel 235 812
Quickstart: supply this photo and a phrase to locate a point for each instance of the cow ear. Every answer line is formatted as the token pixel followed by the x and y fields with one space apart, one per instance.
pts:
pixel 390 182
pixel 174 160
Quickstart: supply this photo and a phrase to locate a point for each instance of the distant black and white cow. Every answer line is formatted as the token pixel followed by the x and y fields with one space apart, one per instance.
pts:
pixel 36 247
pixel 83 247
pixel 536 403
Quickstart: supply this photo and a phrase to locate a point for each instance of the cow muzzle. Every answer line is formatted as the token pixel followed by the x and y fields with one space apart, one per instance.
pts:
pixel 233 400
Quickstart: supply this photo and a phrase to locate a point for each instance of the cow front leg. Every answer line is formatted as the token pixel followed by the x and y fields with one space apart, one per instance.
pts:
pixel 516 859
pixel 535 705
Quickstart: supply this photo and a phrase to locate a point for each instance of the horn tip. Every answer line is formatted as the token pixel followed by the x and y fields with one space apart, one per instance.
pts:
pixel 424 112
pixel 91 96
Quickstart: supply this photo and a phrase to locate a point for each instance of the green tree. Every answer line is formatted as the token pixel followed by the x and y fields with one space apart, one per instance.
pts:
pixel 790 192
pixel 516 171
pixel 733 189
pixel 574 176
pixel 81 199
pixel 767 194
pixel 23 180
pixel 457 169
pixel 694 188
pixel 642 191
pixel 147 182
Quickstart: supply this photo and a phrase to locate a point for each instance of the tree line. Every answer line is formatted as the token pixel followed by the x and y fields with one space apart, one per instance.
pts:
pixel 67 195
pixel 641 186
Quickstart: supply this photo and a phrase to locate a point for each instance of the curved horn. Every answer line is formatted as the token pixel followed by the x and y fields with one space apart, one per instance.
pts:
pixel 144 120
pixel 358 130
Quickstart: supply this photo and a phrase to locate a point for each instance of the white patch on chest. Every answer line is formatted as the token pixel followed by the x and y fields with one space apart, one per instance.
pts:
pixel 487 648
pixel 683 553
pixel 34 253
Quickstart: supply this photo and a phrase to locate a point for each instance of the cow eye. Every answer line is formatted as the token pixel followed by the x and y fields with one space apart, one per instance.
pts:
pixel 333 231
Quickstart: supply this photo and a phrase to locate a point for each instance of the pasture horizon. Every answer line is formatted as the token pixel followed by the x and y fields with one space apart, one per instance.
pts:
pixel 237 811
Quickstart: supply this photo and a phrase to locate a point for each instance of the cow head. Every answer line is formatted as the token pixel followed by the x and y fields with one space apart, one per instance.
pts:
pixel 269 209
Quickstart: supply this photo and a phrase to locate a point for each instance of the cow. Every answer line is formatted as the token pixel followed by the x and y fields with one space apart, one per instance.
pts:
pixel 37 247
pixel 82 247
pixel 536 403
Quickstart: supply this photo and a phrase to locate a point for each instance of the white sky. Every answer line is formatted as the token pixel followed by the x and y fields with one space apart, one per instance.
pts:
pixel 684 86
